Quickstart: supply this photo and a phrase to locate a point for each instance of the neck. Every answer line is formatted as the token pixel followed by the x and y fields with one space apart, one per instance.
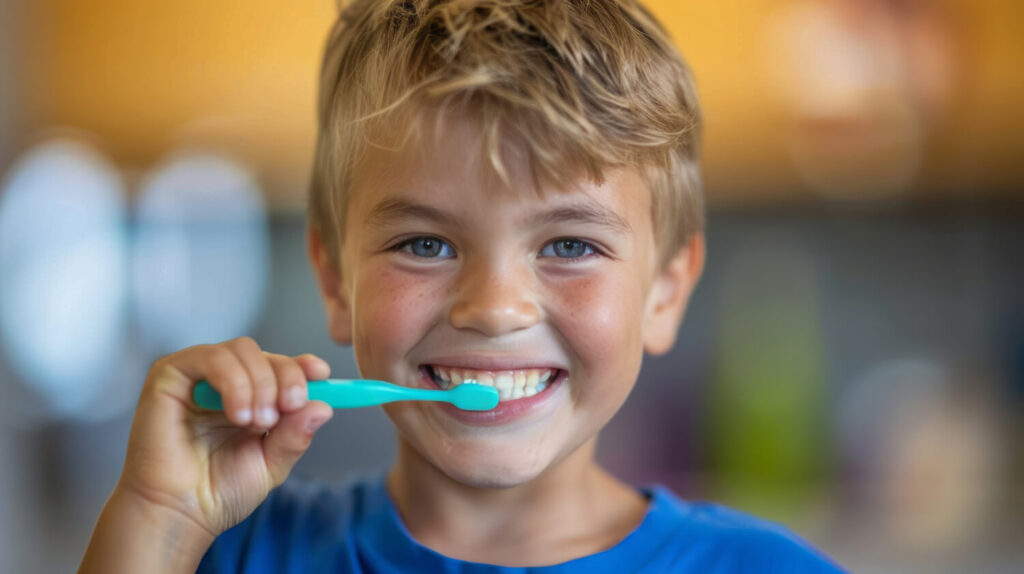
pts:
pixel 507 525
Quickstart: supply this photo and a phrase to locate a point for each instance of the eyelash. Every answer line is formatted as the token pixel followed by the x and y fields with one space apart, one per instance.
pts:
pixel 406 246
pixel 592 249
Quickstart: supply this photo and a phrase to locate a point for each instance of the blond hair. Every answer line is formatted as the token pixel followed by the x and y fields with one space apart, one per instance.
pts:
pixel 595 84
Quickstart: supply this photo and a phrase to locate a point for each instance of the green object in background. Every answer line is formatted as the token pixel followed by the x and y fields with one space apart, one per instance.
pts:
pixel 767 426
pixel 355 393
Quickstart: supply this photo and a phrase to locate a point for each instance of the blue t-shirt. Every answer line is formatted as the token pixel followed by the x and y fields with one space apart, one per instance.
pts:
pixel 306 528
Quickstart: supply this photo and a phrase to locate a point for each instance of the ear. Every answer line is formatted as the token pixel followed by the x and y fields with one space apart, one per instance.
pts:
pixel 669 295
pixel 332 289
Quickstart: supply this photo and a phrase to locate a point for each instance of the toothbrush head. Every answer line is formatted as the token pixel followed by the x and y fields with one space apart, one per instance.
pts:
pixel 472 396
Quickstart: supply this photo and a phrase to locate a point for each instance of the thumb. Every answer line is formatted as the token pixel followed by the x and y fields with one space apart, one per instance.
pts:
pixel 289 439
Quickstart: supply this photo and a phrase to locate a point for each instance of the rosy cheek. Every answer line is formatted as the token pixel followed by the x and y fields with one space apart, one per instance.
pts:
pixel 393 312
pixel 599 314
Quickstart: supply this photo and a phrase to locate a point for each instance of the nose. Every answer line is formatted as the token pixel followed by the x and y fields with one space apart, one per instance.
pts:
pixel 494 302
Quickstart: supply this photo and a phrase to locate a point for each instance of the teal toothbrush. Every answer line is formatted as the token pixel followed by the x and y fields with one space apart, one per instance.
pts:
pixel 354 393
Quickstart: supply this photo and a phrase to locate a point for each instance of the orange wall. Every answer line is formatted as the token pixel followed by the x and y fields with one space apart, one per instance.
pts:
pixel 145 75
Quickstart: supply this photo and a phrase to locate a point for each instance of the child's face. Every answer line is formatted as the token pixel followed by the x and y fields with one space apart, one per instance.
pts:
pixel 443 268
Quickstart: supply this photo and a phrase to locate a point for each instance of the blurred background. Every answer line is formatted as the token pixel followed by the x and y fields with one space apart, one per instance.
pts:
pixel 852 364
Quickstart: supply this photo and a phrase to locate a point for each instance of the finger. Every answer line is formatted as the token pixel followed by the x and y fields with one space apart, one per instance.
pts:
pixel 314 367
pixel 228 376
pixel 288 441
pixel 291 383
pixel 264 383
pixel 175 375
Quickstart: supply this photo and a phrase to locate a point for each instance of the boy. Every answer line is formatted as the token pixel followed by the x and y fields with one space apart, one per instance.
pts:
pixel 504 191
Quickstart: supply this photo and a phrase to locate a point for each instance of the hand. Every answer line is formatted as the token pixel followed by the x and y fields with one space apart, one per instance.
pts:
pixel 212 467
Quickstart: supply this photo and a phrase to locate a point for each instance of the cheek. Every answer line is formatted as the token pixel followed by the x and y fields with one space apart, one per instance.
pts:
pixel 392 312
pixel 600 315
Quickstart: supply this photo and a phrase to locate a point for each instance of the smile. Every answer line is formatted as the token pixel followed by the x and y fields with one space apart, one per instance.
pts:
pixel 511 384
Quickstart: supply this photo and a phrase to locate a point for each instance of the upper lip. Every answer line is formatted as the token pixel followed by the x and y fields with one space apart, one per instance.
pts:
pixel 492 363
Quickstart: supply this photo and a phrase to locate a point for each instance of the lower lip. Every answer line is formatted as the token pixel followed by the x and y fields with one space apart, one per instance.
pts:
pixel 506 411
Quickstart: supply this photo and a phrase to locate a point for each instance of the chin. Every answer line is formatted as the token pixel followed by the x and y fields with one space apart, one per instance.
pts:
pixel 487 477
pixel 491 468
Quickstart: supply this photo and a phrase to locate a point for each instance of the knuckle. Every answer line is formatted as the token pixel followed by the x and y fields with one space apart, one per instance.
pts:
pixel 290 373
pixel 159 366
pixel 163 368
pixel 218 356
pixel 235 385
pixel 246 343
pixel 265 391
pixel 161 379
pixel 298 444
pixel 263 374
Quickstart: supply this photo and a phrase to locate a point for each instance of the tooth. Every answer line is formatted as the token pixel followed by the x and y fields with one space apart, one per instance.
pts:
pixel 504 380
pixel 532 377
pixel 435 375
pixel 509 384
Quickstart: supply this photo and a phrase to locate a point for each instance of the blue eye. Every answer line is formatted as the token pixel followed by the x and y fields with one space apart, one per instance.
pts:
pixel 426 247
pixel 567 249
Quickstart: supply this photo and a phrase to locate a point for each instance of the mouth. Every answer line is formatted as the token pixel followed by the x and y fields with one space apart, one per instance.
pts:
pixel 510 384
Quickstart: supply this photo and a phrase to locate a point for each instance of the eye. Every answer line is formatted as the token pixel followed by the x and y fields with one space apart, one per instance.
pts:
pixel 568 248
pixel 426 247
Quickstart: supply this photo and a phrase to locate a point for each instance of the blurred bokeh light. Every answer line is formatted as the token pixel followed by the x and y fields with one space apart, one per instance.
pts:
pixel 201 253
pixel 63 252
pixel 851 365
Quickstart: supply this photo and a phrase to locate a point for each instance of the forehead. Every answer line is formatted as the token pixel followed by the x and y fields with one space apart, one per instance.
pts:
pixel 433 145
pixel 446 160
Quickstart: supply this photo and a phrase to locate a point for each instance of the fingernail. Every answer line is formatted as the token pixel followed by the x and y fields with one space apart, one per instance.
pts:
pixel 296 396
pixel 314 423
pixel 267 416
pixel 244 416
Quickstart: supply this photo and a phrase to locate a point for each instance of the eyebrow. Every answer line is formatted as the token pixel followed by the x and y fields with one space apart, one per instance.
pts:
pixel 395 209
pixel 583 213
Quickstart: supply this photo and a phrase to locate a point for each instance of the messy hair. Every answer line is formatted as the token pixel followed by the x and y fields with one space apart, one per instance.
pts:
pixel 592 84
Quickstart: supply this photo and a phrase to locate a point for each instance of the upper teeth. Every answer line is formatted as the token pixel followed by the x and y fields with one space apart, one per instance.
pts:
pixel 510 384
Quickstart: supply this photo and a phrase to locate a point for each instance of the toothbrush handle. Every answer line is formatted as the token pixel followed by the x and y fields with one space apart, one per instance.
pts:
pixel 338 393
pixel 355 393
